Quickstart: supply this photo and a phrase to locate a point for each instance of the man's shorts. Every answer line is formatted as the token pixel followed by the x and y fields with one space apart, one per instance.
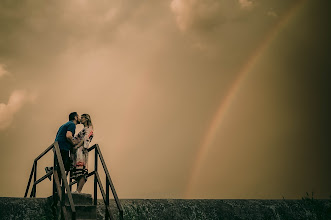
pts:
pixel 66 159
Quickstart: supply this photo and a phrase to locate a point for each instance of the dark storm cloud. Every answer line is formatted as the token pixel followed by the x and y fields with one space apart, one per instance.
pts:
pixel 29 27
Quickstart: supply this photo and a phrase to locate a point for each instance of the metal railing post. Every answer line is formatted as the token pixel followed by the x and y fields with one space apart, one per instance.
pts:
pixel 63 197
pixel 95 178
pixel 65 185
pixel 54 167
pixel 107 196
pixel 34 189
pixel 70 180
pixel 55 197
pixel 107 208
pixel 29 182
pixel 119 206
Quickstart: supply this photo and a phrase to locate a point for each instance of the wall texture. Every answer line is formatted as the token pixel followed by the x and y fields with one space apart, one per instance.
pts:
pixel 307 209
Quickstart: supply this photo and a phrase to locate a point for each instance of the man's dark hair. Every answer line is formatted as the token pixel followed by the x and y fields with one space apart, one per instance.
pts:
pixel 72 116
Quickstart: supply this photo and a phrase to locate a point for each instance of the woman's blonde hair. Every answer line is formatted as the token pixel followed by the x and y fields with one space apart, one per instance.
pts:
pixel 88 119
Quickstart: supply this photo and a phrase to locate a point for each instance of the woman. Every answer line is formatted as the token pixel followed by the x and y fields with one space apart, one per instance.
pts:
pixel 80 153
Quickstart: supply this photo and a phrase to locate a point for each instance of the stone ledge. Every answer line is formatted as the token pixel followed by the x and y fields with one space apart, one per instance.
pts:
pixel 221 209
pixel 39 208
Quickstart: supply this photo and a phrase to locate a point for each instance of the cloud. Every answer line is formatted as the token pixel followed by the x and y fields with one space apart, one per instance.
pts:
pixel 246 4
pixel 212 26
pixel 15 103
pixel 195 14
pixel 53 27
pixel 3 70
pixel 205 16
pixel 272 14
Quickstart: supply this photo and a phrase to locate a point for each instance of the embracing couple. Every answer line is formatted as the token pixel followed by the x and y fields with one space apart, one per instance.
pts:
pixel 74 147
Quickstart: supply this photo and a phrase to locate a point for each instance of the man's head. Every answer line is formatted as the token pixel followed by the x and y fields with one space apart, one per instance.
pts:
pixel 73 116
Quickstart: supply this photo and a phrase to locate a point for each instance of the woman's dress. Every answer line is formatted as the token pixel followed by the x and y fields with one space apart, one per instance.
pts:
pixel 80 155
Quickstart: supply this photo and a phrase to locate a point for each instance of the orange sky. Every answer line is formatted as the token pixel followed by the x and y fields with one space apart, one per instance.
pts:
pixel 154 76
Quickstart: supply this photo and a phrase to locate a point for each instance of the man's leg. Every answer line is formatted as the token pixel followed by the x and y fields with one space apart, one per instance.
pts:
pixel 47 170
pixel 66 161
pixel 80 184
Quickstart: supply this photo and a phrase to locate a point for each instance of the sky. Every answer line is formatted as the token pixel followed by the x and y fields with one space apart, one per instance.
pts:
pixel 190 99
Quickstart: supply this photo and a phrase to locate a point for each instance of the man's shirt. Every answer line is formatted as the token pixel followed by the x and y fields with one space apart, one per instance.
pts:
pixel 61 137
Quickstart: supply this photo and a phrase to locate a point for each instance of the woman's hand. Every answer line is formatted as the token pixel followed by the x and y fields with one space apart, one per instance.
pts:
pixel 79 144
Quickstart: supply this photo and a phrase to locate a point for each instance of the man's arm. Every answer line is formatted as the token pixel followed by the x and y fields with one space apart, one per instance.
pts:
pixel 79 144
pixel 70 138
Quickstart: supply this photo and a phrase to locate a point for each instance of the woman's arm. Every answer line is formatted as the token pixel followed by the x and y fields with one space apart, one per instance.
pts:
pixel 88 137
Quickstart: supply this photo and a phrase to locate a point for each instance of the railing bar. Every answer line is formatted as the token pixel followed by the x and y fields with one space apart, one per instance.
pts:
pixel 107 194
pixel 90 174
pixel 91 148
pixel 62 202
pixel 44 177
pixel 107 190
pixel 95 196
pixel 34 188
pixel 57 184
pixel 45 152
pixel 119 206
pixel 64 210
pixel 70 180
pixel 54 183
pixel 103 195
pixel 31 193
pixel 59 193
pixel 64 178
pixel 29 182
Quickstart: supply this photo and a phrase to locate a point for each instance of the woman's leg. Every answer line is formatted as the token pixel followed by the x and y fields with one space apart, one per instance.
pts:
pixel 80 183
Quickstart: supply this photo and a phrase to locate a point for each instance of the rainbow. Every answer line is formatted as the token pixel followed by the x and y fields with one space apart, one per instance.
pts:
pixel 225 104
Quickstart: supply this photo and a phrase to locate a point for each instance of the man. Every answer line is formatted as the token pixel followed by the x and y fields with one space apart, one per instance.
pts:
pixel 64 137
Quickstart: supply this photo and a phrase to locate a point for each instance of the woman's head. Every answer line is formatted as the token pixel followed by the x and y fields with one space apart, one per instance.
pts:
pixel 86 118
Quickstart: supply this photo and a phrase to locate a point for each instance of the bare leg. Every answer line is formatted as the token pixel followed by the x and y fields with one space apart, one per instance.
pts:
pixel 80 185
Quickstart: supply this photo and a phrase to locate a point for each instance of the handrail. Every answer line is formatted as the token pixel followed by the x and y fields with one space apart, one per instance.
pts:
pixel 45 152
pixel 104 197
pixel 64 179
pixel 58 188
pixel 30 178
pixel 42 178
pixel 109 183
pixel 75 181
pixel 58 164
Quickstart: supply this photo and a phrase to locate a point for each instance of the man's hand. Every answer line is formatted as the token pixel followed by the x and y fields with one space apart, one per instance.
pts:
pixel 70 138
pixel 80 143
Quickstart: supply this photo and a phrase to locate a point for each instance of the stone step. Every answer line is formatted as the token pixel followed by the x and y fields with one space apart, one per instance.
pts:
pixel 83 205
pixel 79 199
pixel 83 212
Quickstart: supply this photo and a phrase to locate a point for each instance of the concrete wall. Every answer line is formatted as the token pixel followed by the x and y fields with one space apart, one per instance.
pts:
pixel 26 208
pixel 224 209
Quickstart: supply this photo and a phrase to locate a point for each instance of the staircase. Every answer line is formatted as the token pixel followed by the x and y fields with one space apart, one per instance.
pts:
pixel 69 205
pixel 83 205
